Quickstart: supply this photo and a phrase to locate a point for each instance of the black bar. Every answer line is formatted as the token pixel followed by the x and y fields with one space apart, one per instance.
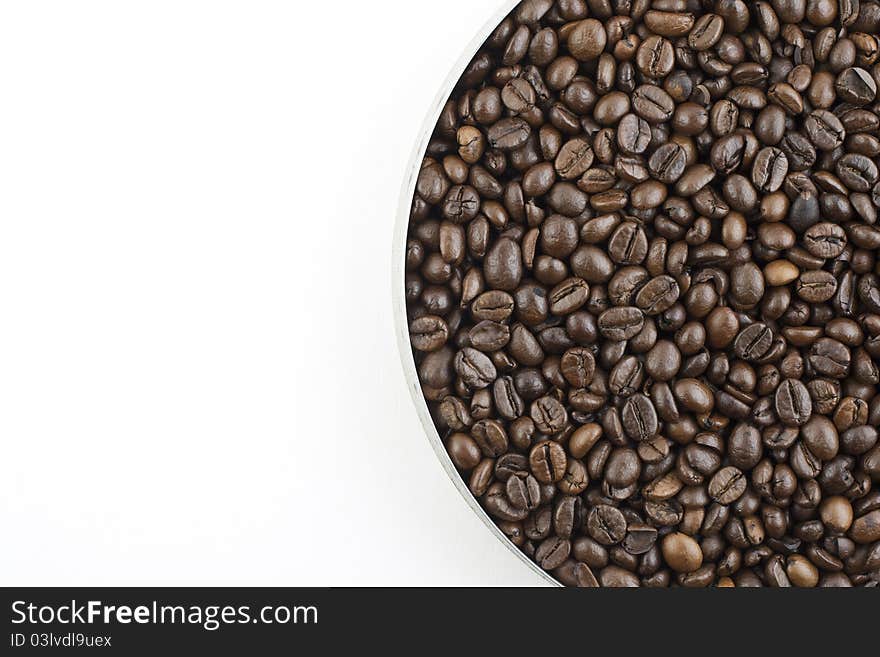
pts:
pixel 422 621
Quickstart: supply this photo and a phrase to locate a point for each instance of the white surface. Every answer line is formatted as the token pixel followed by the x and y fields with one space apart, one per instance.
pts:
pixel 186 397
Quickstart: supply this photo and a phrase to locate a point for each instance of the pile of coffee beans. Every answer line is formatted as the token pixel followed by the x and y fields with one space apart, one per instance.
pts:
pixel 643 289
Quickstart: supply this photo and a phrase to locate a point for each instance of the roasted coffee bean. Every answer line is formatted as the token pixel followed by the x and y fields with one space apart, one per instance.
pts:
pixel 754 342
pixel 706 32
pixel 549 415
pixel 793 403
pixel 508 402
pixel 428 333
pixel 606 524
pixel 621 323
pixel 649 101
pixel 830 358
pixel 578 365
pixel 642 286
pixel 475 368
pixel 640 418
pixel 547 462
pixel 681 552
pixel 857 172
pixel 574 159
pixel 524 492
pixel 824 130
pixel 658 295
pixel 491 437
pixel 769 169
pixel 668 162
pixel 825 240
pixel 727 485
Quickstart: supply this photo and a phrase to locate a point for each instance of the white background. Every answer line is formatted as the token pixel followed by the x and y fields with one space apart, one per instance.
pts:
pixel 199 381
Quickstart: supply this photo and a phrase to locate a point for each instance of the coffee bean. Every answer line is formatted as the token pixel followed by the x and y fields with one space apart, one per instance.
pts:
pixel 606 524
pixel 856 86
pixel 655 57
pixel 578 366
pixel 825 130
pixel 640 418
pixel 574 159
pixel 621 323
pixel 640 538
pixel 727 485
pixel 503 266
pixel 658 295
pixel 769 169
pixel 753 342
pixel 628 244
pixel 727 153
pixel 668 162
pixel 816 286
pixel 568 296
pixel 508 402
pixel 825 240
pixel 523 492
pixel 706 32
pixel 549 415
pixel 488 336
pixel 428 333
pixel 508 134
pixel 793 403
pixel 491 437
pixel 547 462
pixel 649 101
pixel 681 552
pixel 830 357
pixel 474 368
pixel 552 552
pixel 494 305
pixel 857 172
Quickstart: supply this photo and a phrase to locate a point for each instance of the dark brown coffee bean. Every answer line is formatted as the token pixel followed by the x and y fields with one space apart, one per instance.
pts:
pixel 816 286
pixel 428 333
pixel 475 368
pixel 727 485
pixel 639 418
pixel 825 130
pixel 769 169
pixel 856 86
pixel 587 40
pixel 633 134
pixel 574 159
pixel 549 415
pixel 508 134
pixel 628 244
pixel 830 358
pixel 857 172
pixel 668 162
pixel 606 524
pixel 652 104
pixel 508 402
pixel 547 462
pixel 658 295
pixel 825 240
pixel 488 336
pixel 568 296
pixel 655 58
pixel 578 365
pixel 621 323
pixel 793 403
pixel 753 342
pixel 706 32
